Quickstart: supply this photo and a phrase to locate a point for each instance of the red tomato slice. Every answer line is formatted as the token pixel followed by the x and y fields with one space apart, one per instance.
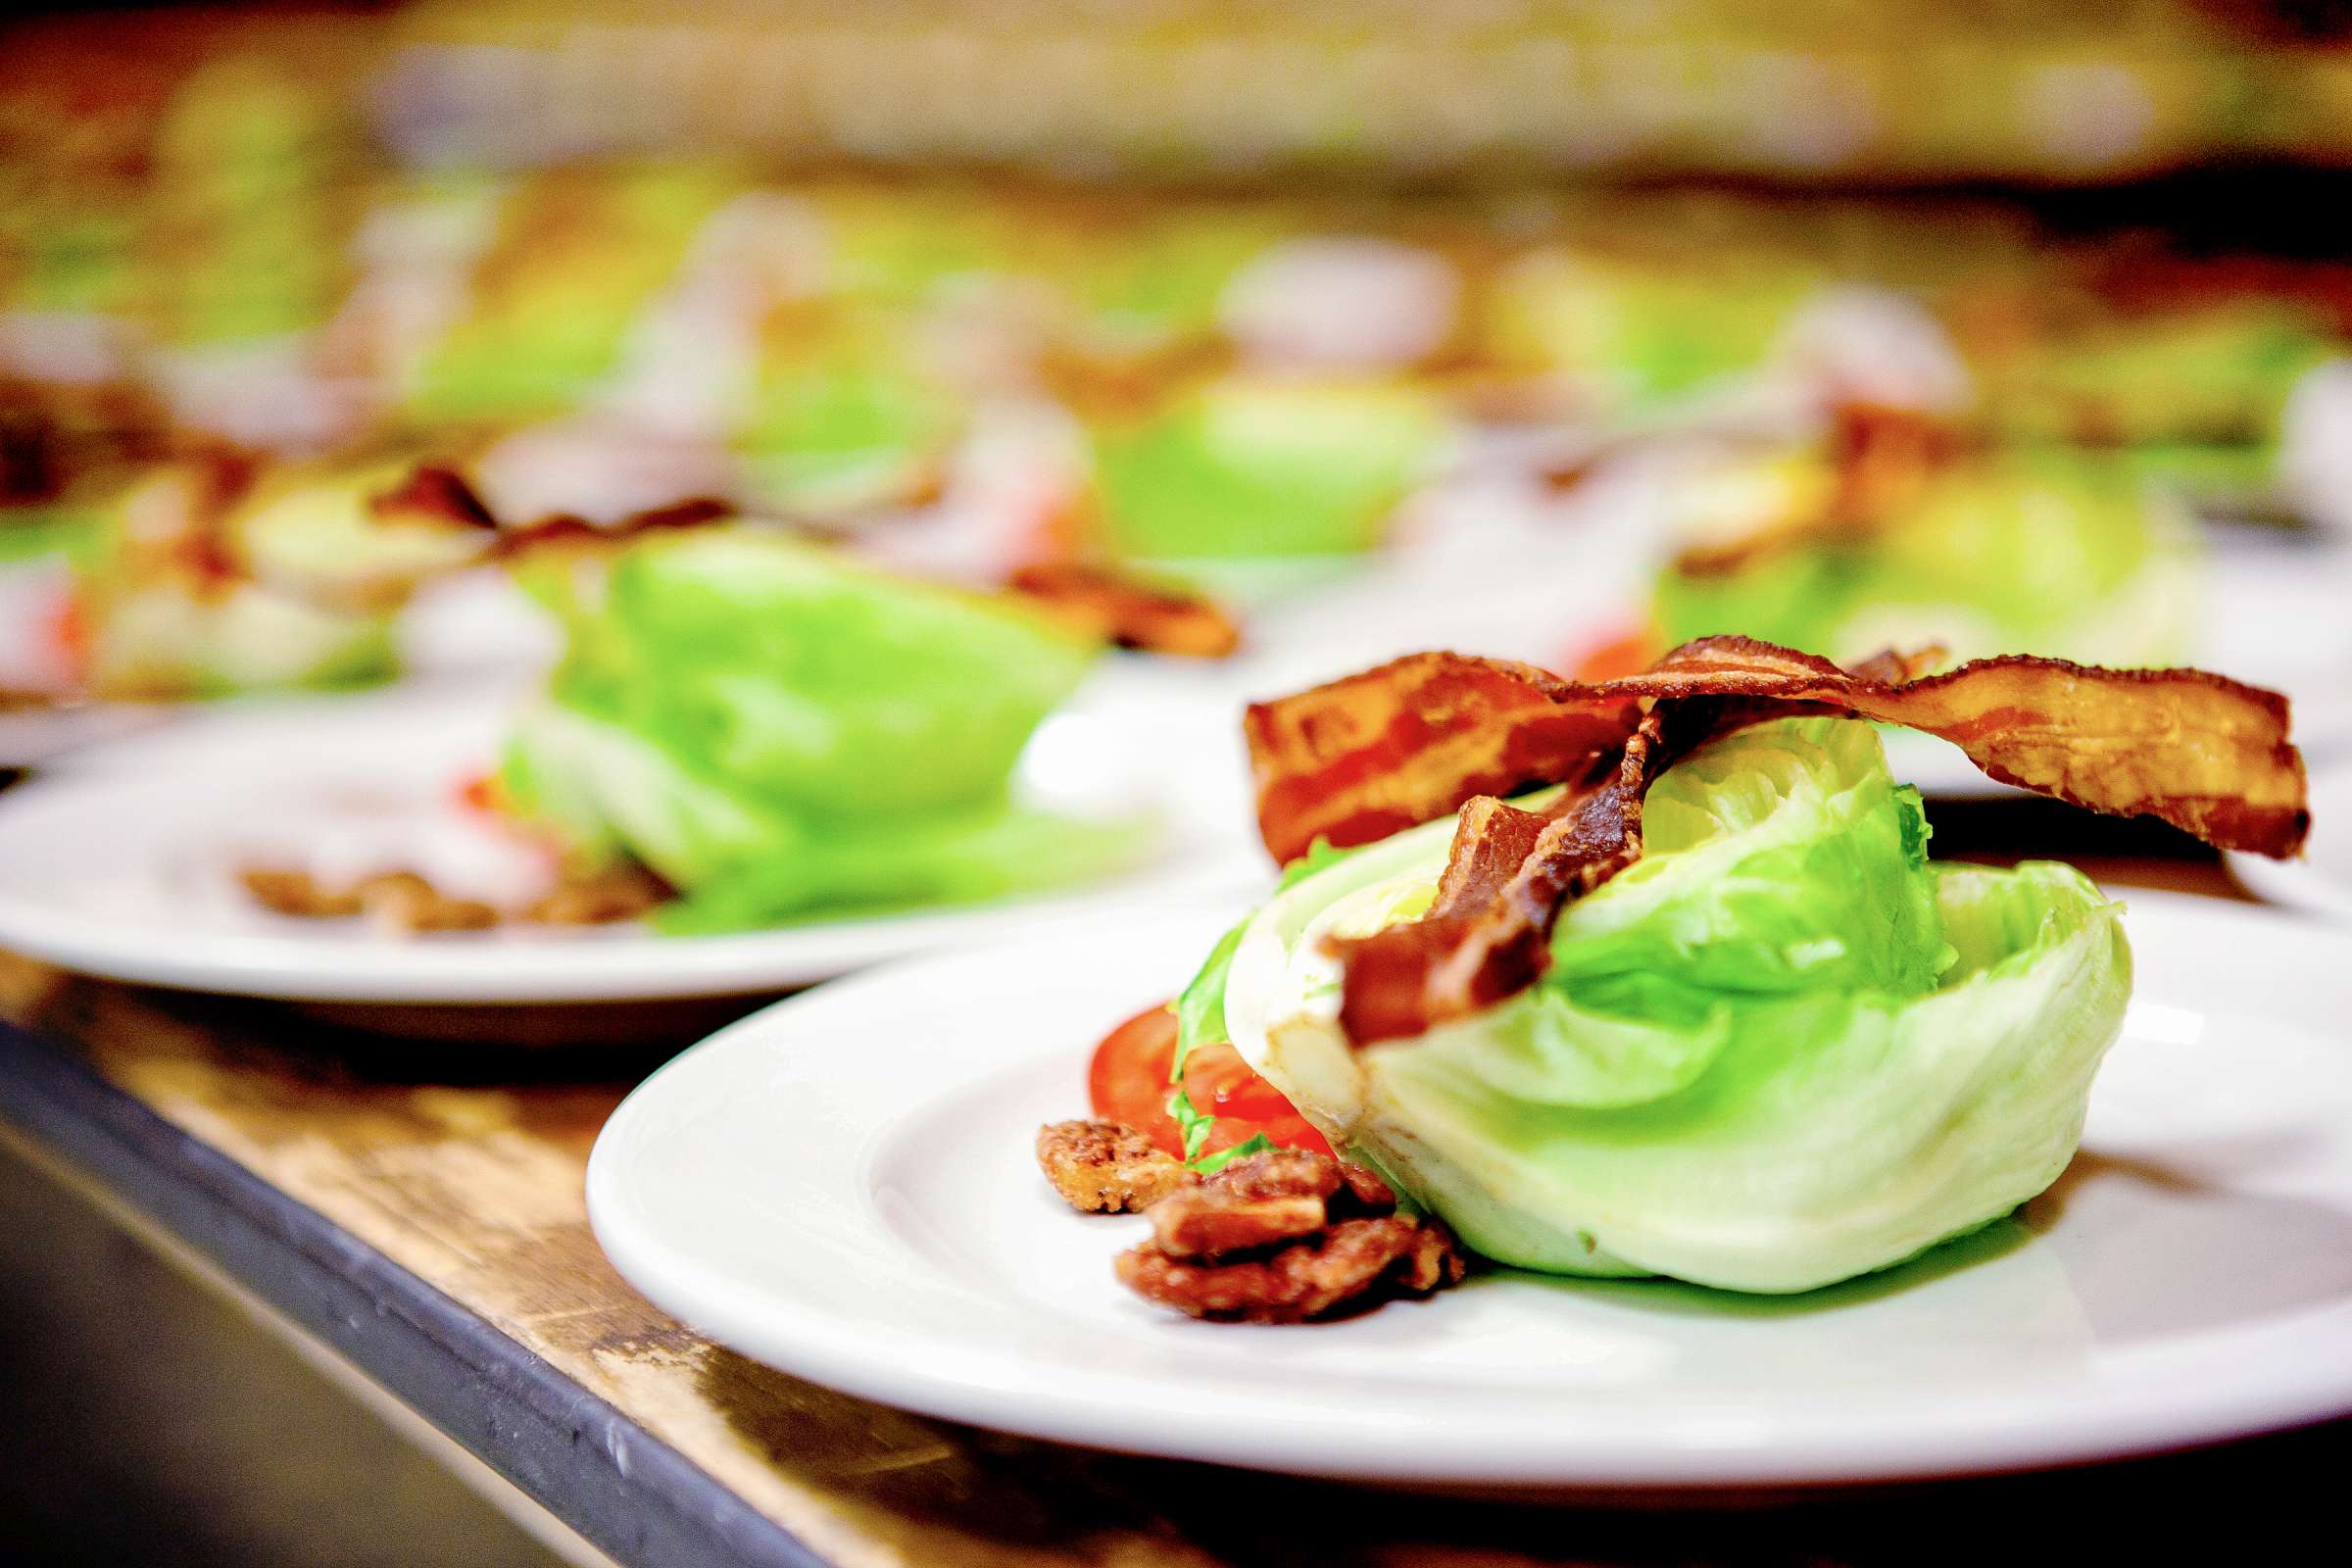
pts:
pixel 1128 1081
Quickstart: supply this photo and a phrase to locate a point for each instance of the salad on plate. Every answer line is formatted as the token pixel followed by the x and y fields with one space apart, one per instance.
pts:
pixel 1648 976
pixel 1897 530
pixel 746 728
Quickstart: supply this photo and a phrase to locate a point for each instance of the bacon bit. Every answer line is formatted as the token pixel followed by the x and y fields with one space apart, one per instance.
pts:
pixel 432 494
pixel 1566 475
pixel 214 480
pixel 1103 603
pixel 1425 735
pixel 400 899
pixel 54 436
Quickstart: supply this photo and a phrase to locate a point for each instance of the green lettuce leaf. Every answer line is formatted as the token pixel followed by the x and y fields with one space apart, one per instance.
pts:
pixel 1782 1051
pixel 42 532
pixel 1252 469
pixel 1647 330
pixel 844 414
pixel 576 259
pixel 780 733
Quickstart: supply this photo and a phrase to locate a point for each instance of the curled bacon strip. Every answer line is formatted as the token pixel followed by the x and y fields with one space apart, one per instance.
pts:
pixel 2204 753
pixel 1413 739
pixel 1133 615
pixel 1507 878
pixel 1404 744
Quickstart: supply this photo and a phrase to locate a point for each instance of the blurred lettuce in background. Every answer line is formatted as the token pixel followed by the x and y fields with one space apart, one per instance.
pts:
pixel 778 733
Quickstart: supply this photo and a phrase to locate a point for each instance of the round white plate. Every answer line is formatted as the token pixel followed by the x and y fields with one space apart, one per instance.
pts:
pixel 126 865
pixel 842 1186
pixel 2322 881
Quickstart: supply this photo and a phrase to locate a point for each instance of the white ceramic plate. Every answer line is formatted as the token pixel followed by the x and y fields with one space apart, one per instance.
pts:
pixel 124 864
pixel 842 1186
pixel 2322 881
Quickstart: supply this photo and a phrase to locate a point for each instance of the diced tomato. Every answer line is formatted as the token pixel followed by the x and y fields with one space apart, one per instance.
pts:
pixel 1628 654
pixel 1128 1081
pixel 70 631
pixel 479 793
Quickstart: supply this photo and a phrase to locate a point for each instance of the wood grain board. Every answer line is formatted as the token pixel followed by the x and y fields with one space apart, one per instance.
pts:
pixel 462 1161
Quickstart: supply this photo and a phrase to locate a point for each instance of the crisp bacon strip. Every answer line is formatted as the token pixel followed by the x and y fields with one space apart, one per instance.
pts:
pixel 2204 753
pixel 1507 876
pixel 1412 740
pixel 1422 736
pixel 1133 615
pixel 1370 754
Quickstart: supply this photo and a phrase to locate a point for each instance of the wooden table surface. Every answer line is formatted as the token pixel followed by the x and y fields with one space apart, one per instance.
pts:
pixel 441 1177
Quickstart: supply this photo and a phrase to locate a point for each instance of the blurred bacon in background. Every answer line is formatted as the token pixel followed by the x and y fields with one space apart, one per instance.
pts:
pixel 1218 294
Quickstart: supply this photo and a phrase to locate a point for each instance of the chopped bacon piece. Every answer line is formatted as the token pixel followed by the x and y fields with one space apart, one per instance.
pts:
pixel 1133 615
pixel 1434 732
pixel 433 494
pixel 402 901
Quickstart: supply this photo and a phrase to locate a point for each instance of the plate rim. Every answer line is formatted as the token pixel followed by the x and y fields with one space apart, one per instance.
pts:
pixel 519 968
pixel 811 1343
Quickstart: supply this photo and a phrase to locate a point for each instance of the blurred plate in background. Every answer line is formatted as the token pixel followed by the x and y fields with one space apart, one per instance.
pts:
pixel 128 867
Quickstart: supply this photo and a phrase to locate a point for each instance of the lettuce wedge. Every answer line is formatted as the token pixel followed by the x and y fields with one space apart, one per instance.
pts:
pixel 1782 1050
